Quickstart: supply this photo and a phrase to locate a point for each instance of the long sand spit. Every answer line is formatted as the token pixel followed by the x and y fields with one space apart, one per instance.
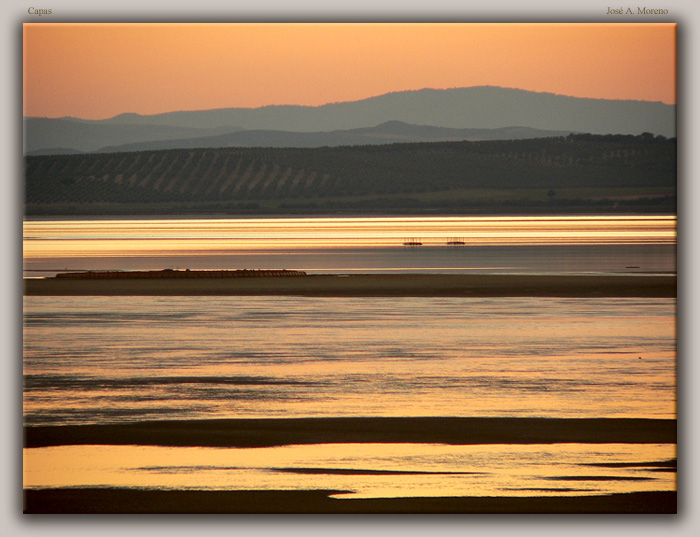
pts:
pixel 284 431
pixel 477 285
pixel 131 501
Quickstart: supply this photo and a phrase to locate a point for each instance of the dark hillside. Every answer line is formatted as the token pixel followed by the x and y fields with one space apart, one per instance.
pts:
pixel 373 177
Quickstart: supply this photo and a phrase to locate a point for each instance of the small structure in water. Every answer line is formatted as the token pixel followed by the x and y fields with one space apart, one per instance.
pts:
pixel 412 242
pixel 456 241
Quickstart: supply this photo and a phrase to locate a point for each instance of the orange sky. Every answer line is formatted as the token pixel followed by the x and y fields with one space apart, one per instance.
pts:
pixel 96 71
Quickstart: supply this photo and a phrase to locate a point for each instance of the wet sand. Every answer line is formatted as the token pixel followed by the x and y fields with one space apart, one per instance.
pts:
pixel 111 501
pixel 285 431
pixel 478 285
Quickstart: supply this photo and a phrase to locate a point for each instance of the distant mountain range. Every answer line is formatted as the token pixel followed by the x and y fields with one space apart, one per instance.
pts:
pixel 70 136
pixel 386 133
pixel 429 115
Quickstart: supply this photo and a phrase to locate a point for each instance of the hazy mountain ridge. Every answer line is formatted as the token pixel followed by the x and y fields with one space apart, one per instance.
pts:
pixel 460 108
pixel 44 135
pixel 475 107
pixel 387 133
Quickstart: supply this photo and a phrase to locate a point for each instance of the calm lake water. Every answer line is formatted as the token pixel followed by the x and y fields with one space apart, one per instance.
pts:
pixel 120 359
pixel 490 244
pixel 117 359
pixel 95 359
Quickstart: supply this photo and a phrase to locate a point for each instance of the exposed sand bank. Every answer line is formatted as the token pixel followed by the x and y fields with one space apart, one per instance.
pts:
pixel 281 431
pixel 98 500
pixel 479 285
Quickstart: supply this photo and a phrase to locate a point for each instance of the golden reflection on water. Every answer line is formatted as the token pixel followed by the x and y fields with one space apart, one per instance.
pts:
pixel 400 470
pixel 407 360
pixel 97 358
pixel 91 238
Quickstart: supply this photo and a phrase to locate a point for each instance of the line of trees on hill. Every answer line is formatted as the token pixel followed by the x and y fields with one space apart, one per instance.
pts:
pixel 394 172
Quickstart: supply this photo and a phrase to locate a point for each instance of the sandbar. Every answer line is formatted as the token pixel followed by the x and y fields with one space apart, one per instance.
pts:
pixel 285 431
pixel 133 501
pixel 358 285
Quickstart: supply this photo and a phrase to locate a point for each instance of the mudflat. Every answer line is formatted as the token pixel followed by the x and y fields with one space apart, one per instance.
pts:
pixel 115 500
pixel 284 431
pixel 478 285
pixel 281 431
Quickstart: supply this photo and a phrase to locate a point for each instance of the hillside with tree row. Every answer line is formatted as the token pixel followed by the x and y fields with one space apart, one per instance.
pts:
pixel 421 176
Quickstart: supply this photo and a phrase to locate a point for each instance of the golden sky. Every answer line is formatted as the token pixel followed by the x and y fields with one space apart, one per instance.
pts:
pixel 96 71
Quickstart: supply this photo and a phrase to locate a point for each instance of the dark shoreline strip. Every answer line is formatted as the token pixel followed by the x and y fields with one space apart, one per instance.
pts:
pixel 132 501
pixel 351 471
pixel 670 464
pixel 280 431
pixel 357 285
